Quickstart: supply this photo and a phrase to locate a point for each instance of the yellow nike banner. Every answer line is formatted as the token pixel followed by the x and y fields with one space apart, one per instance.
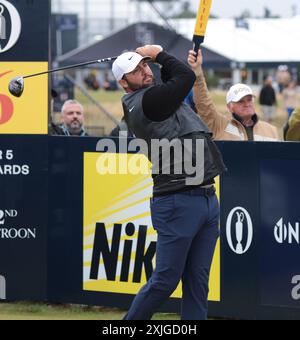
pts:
pixel 119 239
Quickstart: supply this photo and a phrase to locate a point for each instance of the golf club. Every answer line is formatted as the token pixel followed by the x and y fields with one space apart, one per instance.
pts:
pixel 16 85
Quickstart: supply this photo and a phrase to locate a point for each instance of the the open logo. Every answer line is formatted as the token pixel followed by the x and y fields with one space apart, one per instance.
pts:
pixel 9 33
pixel 239 230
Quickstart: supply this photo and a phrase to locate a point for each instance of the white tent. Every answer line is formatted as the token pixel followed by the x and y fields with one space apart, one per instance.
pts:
pixel 258 41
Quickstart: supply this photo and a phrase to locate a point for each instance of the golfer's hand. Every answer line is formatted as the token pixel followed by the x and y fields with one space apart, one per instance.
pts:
pixel 149 51
pixel 195 62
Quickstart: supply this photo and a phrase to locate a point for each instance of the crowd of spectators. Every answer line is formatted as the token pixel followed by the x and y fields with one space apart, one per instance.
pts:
pixel 280 87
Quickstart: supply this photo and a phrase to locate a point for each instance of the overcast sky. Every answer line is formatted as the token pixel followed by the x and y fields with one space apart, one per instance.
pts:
pixel 232 8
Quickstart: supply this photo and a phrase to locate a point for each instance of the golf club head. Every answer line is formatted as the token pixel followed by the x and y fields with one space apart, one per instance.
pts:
pixel 16 86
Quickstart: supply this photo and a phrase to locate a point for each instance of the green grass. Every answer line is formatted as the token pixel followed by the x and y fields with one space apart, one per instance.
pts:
pixel 100 95
pixel 112 102
pixel 114 98
pixel 44 311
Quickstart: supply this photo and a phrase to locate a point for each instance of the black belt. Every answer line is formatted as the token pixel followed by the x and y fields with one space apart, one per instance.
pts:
pixel 200 191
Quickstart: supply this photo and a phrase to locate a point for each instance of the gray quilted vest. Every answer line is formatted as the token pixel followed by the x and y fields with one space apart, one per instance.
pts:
pixel 184 124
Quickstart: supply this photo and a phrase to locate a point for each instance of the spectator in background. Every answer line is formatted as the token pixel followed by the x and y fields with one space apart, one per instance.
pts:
pixel 290 98
pixel 283 77
pixel 244 124
pixel 72 114
pixel 54 130
pixel 292 128
pixel 267 100
pixel 189 100
pixel 92 82
pixel 110 83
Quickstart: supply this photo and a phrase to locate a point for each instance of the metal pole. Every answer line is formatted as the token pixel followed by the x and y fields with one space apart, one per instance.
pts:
pixel 112 15
pixel 86 21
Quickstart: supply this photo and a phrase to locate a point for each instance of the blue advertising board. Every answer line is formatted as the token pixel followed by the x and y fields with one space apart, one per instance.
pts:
pixel 259 243
pixel 280 233
pixel 23 216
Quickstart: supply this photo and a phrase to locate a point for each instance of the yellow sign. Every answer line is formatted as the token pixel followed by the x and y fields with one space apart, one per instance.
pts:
pixel 119 239
pixel 29 113
pixel 202 17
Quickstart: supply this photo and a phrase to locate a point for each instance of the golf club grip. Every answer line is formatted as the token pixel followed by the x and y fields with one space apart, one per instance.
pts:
pixel 197 40
pixel 196 48
pixel 106 60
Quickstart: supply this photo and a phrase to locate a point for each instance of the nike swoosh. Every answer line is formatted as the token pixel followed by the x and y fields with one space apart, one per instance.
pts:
pixel 130 110
pixel 130 58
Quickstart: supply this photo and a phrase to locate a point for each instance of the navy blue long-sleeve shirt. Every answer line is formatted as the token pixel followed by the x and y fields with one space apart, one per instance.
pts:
pixel 161 101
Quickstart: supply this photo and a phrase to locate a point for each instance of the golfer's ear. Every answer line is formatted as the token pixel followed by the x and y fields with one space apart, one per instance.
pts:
pixel 123 83
pixel 229 106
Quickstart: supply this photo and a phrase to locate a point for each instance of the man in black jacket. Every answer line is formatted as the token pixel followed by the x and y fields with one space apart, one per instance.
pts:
pixel 185 210
pixel 267 100
pixel 72 114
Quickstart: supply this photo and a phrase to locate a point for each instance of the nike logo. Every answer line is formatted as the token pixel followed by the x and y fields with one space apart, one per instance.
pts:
pixel 130 110
pixel 130 58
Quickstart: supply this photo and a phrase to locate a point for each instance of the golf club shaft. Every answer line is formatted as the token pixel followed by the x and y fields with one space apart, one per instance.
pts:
pixel 71 67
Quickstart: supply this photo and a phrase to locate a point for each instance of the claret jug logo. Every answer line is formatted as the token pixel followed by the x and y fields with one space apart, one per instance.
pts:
pixel 239 230
pixel 10 26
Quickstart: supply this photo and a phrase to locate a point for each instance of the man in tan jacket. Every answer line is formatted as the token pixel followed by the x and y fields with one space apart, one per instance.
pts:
pixel 244 125
pixel 292 128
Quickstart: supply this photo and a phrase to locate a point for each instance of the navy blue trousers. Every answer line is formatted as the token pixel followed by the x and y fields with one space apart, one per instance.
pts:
pixel 187 228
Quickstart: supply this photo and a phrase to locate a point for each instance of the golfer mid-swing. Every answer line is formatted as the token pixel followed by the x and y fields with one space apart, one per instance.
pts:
pixel 184 214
